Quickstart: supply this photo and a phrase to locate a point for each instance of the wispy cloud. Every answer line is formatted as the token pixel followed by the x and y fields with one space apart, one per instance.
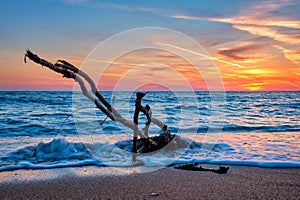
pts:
pixel 260 20
pixel 201 55
pixel 292 55
pixel 236 53
pixel 258 15
pixel 75 1
pixel 166 54
pixel 117 6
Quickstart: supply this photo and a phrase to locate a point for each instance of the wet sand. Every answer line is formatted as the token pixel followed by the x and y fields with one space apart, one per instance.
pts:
pixel 239 183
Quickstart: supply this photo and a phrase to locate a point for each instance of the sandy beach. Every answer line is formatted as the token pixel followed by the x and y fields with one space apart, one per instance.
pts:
pixel 239 183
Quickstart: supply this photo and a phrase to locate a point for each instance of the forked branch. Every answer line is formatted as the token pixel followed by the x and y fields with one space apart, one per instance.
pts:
pixel 70 71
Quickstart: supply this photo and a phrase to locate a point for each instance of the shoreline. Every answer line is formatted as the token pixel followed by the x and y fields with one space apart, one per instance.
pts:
pixel 241 182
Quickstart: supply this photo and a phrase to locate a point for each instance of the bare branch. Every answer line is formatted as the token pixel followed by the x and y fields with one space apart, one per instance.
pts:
pixel 74 69
pixel 68 74
pixel 69 71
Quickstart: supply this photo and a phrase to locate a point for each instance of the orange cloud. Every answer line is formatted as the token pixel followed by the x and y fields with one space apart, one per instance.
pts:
pixel 161 67
pixel 259 20
pixel 292 55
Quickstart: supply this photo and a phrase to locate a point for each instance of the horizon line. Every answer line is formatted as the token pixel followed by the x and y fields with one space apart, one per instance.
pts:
pixel 9 90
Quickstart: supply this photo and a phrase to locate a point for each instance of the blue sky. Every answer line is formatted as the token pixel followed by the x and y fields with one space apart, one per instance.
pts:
pixel 30 22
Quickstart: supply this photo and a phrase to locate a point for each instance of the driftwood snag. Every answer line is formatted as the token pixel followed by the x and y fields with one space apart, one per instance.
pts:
pixel 146 110
pixel 196 167
pixel 143 145
pixel 70 71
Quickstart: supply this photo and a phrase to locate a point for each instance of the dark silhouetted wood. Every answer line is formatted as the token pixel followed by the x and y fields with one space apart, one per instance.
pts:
pixel 68 74
pixel 70 71
pixel 74 69
pixel 197 167
pixel 139 108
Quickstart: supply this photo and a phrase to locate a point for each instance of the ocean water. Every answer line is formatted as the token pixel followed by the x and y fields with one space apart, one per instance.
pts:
pixel 63 129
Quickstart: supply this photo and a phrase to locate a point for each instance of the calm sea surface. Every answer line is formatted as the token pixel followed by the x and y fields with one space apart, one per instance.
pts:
pixel 62 129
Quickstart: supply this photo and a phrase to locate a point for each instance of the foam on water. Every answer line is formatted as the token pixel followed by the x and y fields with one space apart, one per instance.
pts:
pixel 57 153
pixel 62 153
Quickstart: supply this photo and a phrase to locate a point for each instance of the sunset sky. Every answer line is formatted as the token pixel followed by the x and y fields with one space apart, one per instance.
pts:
pixel 254 45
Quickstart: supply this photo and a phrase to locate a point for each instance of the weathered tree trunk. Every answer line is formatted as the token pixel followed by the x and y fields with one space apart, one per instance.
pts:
pixel 70 71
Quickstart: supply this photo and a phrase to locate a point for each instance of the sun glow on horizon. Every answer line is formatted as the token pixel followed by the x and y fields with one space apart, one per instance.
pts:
pixel 254 45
